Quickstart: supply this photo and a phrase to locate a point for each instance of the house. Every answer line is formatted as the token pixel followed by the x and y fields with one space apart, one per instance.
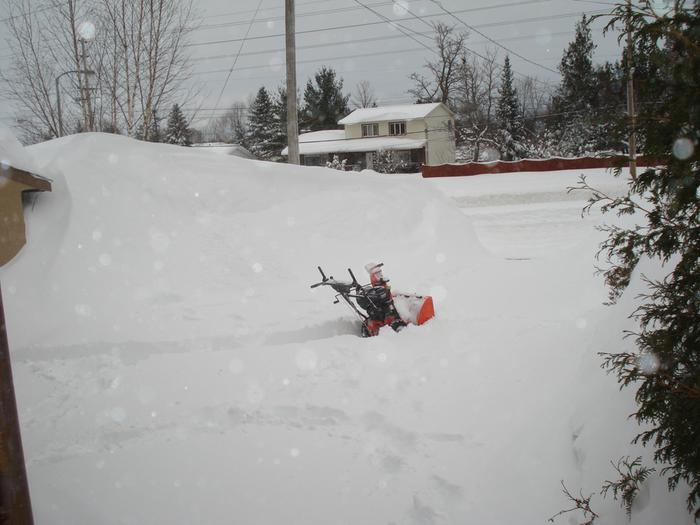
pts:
pixel 418 133
pixel 16 179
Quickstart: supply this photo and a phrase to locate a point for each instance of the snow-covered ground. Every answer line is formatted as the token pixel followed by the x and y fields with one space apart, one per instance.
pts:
pixel 173 365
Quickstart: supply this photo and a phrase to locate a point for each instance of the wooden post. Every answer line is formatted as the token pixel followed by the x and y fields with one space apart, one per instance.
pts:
pixel 292 117
pixel 15 505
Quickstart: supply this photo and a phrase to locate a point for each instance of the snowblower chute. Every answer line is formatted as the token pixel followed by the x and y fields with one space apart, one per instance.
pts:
pixel 380 306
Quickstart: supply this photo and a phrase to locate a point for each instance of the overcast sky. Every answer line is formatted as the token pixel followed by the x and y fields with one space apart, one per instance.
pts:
pixel 359 45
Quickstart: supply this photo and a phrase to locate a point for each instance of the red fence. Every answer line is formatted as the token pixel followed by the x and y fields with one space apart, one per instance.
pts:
pixel 555 164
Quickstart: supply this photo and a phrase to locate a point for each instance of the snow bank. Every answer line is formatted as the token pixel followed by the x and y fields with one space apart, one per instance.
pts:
pixel 173 366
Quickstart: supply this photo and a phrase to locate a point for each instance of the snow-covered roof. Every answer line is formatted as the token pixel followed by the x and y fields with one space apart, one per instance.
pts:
pixel 402 112
pixel 12 153
pixel 334 141
pixel 225 148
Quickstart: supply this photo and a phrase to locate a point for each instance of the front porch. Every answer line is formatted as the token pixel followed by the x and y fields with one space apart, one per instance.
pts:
pixel 360 160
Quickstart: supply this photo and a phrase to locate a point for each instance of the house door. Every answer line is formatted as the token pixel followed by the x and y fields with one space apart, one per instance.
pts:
pixel 369 160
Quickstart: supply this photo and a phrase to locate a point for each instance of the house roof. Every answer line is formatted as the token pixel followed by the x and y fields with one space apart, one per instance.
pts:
pixel 334 141
pixel 13 155
pixel 402 112
pixel 225 148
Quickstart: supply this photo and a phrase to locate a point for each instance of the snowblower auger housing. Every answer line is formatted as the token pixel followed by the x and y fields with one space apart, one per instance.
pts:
pixel 377 303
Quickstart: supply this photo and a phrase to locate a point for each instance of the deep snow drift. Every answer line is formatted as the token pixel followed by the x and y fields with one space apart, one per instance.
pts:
pixel 173 366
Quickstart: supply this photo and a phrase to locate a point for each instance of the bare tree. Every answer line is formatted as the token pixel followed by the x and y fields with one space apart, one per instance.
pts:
pixel 137 58
pixel 533 98
pixel 442 75
pixel 364 97
pixel 476 99
pixel 147 65
pixel 44 46
pixel 229 127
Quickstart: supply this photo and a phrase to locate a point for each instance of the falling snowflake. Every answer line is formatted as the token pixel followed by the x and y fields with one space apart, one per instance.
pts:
pixel 648 364
pixel 118 414
pixel 683 148
pixel 83 310
pixel 401 7
pixel 87 31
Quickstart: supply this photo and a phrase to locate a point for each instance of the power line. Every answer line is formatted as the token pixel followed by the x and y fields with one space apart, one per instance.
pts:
pixel 366 24
pixel 472 28
pixel 469 49
pixel 235 60
pixel 464 45
pixel 245 11
pixel 312 46
pixel 39 10
pixel 374 39
pixel 315 60
pixel 399 27
pixel 332 11
pixel 353 8
pixel 54 6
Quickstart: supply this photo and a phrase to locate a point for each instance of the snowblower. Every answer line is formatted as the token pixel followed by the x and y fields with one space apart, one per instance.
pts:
pixel 376 305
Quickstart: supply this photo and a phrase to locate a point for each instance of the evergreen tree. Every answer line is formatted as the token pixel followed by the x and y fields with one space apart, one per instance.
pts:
pixel 577 90
pixel 511 133
pixel 260 136
pixel 280 110
pixel 324 102
pixel 177 132
pixel 239 131
pixel 575 100
pixel 608 116
pixel 665 368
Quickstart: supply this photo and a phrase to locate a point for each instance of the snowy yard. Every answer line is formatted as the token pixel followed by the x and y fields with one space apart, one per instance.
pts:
pixel 173 366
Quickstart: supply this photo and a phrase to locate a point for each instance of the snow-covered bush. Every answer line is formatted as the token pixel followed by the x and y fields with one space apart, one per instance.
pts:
pixel 388 161
pixel 337 164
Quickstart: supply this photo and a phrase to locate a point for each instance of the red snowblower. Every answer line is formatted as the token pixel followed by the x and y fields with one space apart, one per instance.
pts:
pixel 375 303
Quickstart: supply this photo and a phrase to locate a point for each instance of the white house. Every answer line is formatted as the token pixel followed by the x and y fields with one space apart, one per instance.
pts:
pixel 419 133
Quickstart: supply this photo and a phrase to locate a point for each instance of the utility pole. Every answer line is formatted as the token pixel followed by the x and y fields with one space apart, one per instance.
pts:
pixel 58 95
pixel 292 116
pixel 58 105
pixel 15 505
pixel 630 96
pixel 89 117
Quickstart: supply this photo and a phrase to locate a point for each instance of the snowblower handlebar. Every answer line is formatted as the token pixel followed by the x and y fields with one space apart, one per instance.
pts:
pixel 341 287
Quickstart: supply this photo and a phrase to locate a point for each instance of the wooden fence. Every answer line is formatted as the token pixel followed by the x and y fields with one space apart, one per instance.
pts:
pixel 554 164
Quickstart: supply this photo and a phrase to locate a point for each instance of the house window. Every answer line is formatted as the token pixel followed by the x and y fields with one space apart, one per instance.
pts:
pixel 370 130
pixel 397 128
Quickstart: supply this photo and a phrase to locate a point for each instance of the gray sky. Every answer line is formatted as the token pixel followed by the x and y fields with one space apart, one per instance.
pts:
pixel 359 45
